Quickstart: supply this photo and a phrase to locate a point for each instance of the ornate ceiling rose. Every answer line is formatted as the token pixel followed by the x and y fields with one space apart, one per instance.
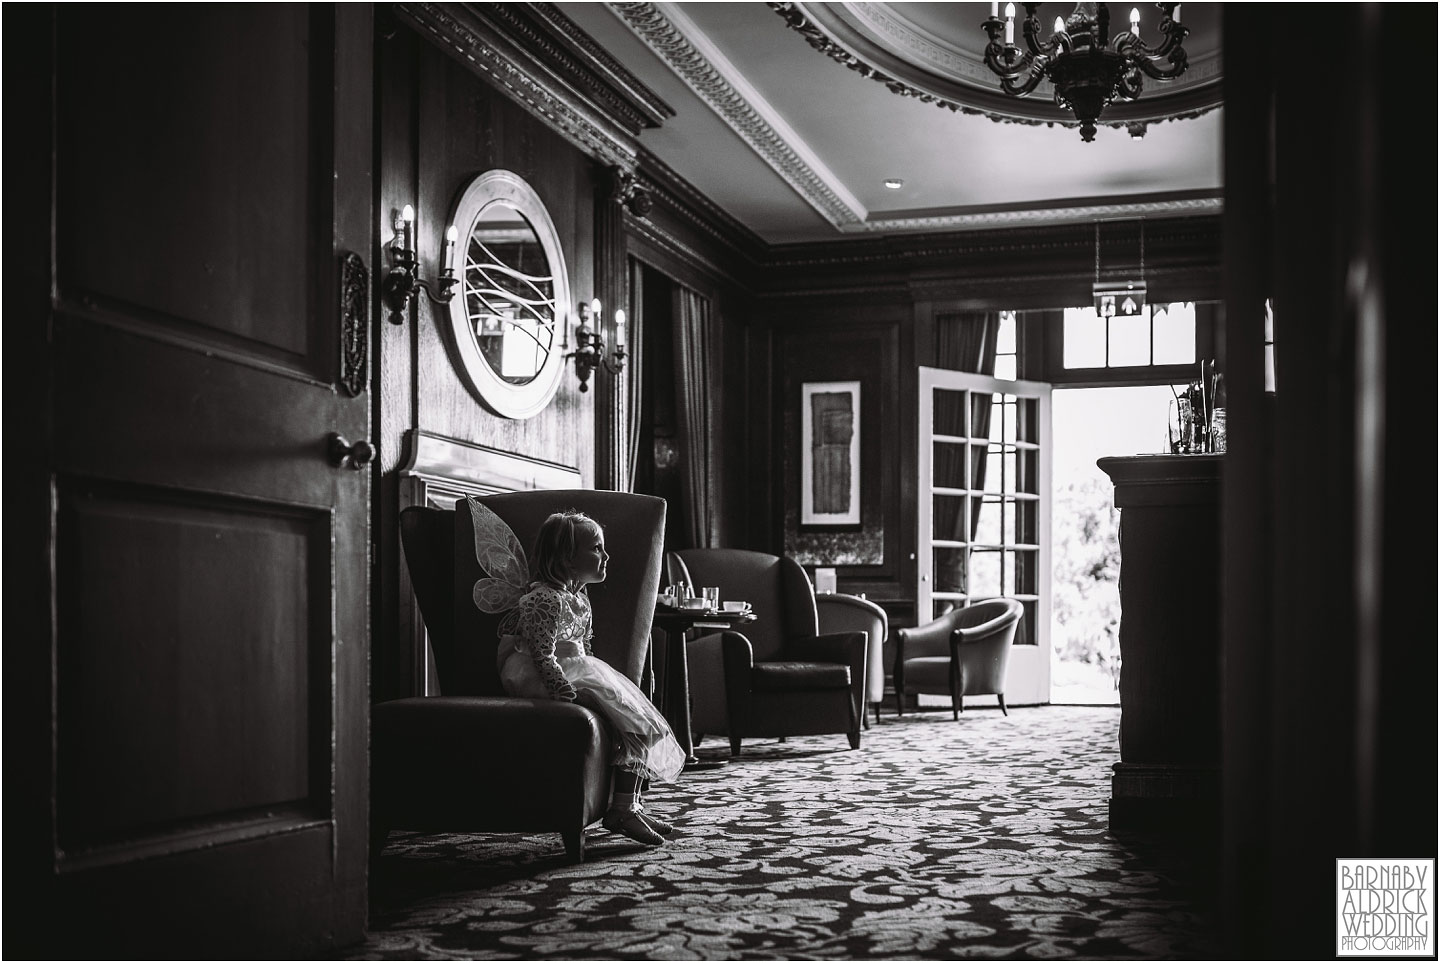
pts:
pixel 935 53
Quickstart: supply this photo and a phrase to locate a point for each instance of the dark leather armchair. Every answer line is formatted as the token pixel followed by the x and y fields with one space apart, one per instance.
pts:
pixel 963 652
pixel 474 759
pixel 780 677
pixel 840 612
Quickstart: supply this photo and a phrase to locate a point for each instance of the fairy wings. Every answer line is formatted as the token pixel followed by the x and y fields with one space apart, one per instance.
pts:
pixel 499 553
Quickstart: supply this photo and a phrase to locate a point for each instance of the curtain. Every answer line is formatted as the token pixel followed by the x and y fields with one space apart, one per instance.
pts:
pixel 634 407
pixel 692 403
pixel 964 342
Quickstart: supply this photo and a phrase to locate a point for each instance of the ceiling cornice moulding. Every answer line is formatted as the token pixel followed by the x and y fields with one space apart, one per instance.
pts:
pixel 896 222
pixel 685 48
pixel 572 52
pixel 527 74
pixel 680 197
pixel 1193 239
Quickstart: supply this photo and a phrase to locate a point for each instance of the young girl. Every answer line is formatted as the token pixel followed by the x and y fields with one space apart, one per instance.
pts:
pixel 548 653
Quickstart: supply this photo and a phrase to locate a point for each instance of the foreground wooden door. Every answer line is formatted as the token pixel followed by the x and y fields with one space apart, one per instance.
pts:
pixel 194 763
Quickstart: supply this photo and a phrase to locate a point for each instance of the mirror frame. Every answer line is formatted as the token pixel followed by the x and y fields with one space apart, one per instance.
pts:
pixel 500 396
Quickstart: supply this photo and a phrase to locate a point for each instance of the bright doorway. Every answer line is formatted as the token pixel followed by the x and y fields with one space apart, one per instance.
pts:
pixel 1089 424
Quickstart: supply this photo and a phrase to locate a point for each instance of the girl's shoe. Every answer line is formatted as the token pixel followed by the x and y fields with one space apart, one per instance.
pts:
pixel 655 822
pixel 630 823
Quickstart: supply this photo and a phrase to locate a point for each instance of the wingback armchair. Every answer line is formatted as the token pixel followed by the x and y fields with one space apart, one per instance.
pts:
pixel 780 676
pixel 840 612
pixel 964 652
pixel 473 759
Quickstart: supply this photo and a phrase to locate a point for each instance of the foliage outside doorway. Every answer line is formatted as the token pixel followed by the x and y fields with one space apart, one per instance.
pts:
pixel 1091 423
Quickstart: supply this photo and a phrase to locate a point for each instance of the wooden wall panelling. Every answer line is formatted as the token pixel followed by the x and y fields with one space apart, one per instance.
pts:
pixel 837 342
pixel 764 520
pixel 733 415
pixel 397 54
pixel 440 126
pixel 1019 268
pixel 464 129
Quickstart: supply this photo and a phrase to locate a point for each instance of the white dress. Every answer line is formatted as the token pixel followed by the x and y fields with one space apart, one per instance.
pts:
pixel 550 656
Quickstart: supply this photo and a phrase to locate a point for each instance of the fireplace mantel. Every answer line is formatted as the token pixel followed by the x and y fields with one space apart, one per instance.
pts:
pixel 439 471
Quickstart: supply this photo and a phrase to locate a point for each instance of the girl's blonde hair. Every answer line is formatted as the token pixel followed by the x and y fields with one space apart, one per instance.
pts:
pixel 552 560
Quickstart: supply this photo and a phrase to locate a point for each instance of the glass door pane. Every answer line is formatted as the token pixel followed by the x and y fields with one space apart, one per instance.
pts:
pixel 984 509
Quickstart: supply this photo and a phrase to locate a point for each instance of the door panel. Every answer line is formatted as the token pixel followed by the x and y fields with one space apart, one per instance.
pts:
pixel 206 778
pixel 166 717
pixel 984 510
pixel 210 118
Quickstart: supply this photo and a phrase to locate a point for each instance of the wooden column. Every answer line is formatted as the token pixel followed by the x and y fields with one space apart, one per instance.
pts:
pixel 610 421
pixel 1169 769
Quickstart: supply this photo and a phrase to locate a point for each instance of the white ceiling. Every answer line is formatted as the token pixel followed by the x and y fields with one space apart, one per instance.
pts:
pixel 796 146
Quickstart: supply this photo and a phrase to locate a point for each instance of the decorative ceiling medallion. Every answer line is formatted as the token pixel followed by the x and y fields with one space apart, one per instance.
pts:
pixel 946 67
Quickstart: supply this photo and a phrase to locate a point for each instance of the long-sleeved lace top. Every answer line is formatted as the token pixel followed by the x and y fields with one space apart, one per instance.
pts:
pixel 548 617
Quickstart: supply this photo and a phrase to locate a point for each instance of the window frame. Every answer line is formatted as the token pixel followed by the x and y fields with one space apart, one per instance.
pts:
pixel 1045 330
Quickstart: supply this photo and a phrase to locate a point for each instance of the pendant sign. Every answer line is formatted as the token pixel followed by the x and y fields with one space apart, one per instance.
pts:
pixel 1119 299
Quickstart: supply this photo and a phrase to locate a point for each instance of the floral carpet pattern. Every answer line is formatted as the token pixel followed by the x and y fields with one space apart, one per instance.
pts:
pixel 986 838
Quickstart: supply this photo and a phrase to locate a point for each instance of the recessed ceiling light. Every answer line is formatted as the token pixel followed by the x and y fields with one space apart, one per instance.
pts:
pixel 894 183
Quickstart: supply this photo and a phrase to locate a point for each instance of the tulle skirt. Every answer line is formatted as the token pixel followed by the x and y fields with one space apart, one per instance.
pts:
pixel 643 741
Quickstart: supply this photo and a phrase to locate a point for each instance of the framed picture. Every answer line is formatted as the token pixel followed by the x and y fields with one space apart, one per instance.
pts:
pixel 830 453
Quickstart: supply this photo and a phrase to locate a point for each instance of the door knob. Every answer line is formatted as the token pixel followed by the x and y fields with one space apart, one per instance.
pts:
pixel 344 454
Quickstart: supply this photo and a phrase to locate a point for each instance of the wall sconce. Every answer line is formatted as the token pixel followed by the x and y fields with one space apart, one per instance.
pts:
pixel 589 352
pixel 403 279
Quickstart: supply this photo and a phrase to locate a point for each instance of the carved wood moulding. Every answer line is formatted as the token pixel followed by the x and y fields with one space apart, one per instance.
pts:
pixel 681 198
pixel 1184 236
pixel 543 62
pixel 665 30
pixel 551 36
pixel 1036 265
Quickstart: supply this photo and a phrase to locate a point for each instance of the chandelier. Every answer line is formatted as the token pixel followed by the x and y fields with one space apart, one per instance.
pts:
pixel 1087 68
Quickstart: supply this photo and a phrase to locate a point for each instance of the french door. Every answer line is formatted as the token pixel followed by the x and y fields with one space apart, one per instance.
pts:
pixel 984 510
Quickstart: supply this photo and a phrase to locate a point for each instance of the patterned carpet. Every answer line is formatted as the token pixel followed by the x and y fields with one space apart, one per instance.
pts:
pixel 937 839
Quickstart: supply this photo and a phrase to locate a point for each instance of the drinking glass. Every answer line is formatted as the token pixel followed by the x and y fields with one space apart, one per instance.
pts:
pixel 1179 427
pixel 1217 430
pixel 712 596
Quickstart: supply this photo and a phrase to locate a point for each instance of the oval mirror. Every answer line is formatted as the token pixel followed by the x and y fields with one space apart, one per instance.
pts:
pixel 513 295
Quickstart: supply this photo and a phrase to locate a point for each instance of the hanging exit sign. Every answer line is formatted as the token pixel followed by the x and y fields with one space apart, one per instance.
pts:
pixel 1119 299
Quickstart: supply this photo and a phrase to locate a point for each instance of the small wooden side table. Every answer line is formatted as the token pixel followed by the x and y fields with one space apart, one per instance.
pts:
pixel 672 688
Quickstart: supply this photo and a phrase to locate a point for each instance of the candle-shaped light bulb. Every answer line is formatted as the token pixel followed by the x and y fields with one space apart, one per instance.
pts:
pixel 1059 25
pixel 619 322
pixel 451 234
pixel 407 215
pixel 1135 20
pixel 595 307
pixel 1009 23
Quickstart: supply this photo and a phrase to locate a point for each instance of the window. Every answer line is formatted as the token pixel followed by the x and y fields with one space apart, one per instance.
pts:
pixel 1005 347
pixel 1269 348
pixel 1160 334
pixel 1162 344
